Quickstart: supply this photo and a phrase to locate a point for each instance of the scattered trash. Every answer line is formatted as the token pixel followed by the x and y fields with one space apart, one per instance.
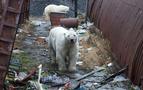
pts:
pixel 20 30
pixel 54 79
pixel 32 85
pixel 20 76
pixel 136 88
pixel 119 79
pixel 38 23
pixel 110 64
pixel 40 40
pixel 87 24
pixel 16 51
pixel 79 63
pixel 81 31
pixel 89 49
pixel 28 41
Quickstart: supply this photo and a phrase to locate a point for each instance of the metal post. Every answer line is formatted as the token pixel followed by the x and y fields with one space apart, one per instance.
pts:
pixel 86 17
pixel 75 8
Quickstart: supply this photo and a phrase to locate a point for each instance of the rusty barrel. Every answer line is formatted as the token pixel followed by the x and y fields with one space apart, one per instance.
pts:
pixel 55 18
pixel 69 22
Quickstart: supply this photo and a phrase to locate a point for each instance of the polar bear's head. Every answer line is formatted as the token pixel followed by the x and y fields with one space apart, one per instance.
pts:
pixel 63 8
pixel 71 36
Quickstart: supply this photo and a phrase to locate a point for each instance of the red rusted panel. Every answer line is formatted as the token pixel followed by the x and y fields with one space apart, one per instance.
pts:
pixel 90 7
pixel 9 19
pixel 130 2
pixel 142 82
pixel 25 11
pixel 121 21
pixel 134 3
pixel 0 9
pixel 139 3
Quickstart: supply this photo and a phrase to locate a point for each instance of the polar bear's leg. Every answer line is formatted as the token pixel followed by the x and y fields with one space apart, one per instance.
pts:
pixel 72 61
pixel 61 62
pixel 72 64
pixel 52 55
pixel 51 51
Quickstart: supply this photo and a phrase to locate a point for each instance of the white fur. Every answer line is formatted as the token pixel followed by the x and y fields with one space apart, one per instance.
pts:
pixel 63 48
pixel 54 8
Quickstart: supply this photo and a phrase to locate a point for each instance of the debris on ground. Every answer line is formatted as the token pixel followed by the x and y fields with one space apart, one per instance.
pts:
pixel 93 66
pixel 40 40
pixel 94 50
pixel 54 79
pixel 16 51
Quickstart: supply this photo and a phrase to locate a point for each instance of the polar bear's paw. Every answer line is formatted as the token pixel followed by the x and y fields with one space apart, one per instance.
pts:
pixel 72 69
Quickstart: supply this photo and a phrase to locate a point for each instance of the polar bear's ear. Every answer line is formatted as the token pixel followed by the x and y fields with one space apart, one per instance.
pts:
pixel 66 35
pixel 71 29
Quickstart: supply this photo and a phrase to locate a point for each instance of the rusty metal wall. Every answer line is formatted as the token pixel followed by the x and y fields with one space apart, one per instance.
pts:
pixel 10 12
pixel 25 11
pixel 121 21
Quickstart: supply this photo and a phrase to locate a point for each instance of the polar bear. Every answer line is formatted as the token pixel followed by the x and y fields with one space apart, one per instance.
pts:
pixel 63 48
pixel 54 8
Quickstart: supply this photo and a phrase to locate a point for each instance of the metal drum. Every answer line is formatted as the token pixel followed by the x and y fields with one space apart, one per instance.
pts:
pixel 69 22
pixel 55 18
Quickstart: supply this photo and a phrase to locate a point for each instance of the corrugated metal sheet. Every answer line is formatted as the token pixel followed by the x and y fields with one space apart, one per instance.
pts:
pixel 25 11
pixel 121 21
pixel 10 11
